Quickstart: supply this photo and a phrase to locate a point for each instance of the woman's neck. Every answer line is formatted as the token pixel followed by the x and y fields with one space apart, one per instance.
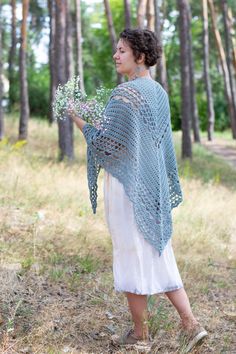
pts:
pixel 139 72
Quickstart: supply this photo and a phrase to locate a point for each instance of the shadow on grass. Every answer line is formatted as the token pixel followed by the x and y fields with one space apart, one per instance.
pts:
pixel 207 167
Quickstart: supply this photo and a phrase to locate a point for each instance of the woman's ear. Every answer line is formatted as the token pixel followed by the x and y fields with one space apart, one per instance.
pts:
pixel 141 60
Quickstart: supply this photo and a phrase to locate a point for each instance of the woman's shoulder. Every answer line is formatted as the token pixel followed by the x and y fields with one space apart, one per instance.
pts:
pixel 140 91
pixel 141 85
pixel 126 91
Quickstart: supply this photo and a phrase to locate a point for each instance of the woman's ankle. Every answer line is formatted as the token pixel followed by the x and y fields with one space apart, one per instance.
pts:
pixel 141 331
pixel 188 323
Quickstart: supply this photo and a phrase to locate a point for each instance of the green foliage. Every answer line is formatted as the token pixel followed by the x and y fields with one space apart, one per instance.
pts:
pixel 98 64
pixel 38 83
pixel 97 51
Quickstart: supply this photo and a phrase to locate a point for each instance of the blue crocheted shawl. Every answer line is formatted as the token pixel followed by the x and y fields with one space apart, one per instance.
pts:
pixel 134 144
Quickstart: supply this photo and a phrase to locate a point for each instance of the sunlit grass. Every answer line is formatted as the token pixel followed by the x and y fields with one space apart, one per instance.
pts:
pixel 47 202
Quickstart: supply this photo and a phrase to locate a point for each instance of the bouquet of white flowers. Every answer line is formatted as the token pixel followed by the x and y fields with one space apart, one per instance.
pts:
pixel 70 96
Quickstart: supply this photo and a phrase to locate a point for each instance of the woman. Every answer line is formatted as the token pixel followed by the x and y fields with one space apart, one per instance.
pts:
pixel 134 146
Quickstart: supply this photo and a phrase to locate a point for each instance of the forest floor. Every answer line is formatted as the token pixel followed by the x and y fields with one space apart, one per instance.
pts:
pixel 223 148
pixel 56 286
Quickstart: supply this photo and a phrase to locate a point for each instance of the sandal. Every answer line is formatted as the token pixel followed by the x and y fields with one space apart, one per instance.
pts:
pixel 129 338
pixel 191 338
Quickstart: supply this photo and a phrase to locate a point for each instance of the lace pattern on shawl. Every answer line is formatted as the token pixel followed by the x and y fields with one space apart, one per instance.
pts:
pixel 134 144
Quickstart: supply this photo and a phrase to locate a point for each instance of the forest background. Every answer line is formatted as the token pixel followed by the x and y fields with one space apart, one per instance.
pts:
pixel 197 69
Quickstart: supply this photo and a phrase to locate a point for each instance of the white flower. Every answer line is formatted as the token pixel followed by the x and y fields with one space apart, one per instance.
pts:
pixel 70 96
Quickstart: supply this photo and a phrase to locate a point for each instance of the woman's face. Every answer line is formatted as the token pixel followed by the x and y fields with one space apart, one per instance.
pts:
pixel 124 59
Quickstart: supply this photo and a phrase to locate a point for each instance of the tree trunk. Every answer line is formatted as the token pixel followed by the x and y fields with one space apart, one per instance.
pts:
pixel 69 44
pixel 24 99
pixel 127 14
pixel 111 28
pixel 1 85
pixel 229 54
pixel 141 15
pixel 185 78
pixel 194 108
pixel 224 68
pixel 161 66
pixel 79 61
pixel 12 54
pixel 207 79
pixel 66 150
pixel 52 43
pixel 151 26
pixel 69 61
pixel 112 32
pixel 232 35
pixel 150 15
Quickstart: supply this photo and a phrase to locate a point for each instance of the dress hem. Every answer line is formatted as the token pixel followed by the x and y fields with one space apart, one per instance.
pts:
pixel 148 293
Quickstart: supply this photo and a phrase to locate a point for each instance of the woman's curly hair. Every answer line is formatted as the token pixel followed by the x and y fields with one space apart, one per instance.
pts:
pixel 143 41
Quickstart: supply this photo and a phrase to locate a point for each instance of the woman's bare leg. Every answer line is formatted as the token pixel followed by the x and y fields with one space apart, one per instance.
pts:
pixel 138 309
pixel 180 301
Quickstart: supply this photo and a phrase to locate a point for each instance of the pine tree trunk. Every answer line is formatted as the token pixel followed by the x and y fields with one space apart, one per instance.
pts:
pixel 232 35
pixel 12 54
pixel 69 44
pixel 207 79
pixel 161 66
pixel 141 15
pixel 66 150
pixel 111 28
pixel 112 32
pixel 1 84
pixel 150 15
pixel 194 108
pixel 24 99
pixel 224 68
pixel 229 54
pixel 151 26
pixel 127 14
pixel 185 78
pixel 79 61
pixel 52 43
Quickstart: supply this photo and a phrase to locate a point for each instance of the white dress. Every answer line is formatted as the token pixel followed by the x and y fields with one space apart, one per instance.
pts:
pixel 137 266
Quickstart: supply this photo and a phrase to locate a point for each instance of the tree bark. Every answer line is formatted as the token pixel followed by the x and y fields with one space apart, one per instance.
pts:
pixel 79 61
pixel 194 108
pixel 69 44
pixel 1 84
pixel 111 28
pixel 232 34
pixel 161 66
pixel 65 130
pixel 127 14
pixel 24 99
pixel 12 54
pixel 229 54
pixel 52 43
pixel 150 12
pixel 112 32
pixel 141 15
pixel 224 68
pixel 185 78
pixel 150 15
pixel 207 79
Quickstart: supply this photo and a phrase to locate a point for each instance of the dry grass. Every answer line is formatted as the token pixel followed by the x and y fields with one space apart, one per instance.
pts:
pixel 56 289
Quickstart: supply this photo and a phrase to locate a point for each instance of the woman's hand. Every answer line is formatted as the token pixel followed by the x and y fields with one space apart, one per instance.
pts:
pixel 74 116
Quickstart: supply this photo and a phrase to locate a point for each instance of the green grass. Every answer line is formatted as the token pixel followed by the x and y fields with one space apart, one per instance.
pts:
pixel 206 166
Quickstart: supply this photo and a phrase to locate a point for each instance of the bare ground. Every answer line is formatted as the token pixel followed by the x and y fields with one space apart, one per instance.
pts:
pixel 223 148
pixel 41 315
